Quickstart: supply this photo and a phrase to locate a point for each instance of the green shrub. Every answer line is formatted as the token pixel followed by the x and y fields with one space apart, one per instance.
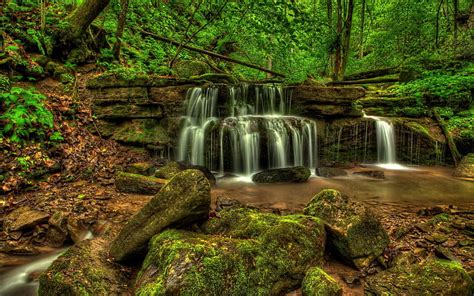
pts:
pixel 25 116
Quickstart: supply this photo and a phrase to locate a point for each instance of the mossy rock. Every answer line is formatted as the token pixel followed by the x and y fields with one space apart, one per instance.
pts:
pixel 353 230
pixel 296 174
pixel 186 69
pixel 143 168
pixel 319 283
pixel 168 171
pixel 185 199
pixel 135 183
pixel 259 254
pixel 84 270
pixel 4 83
pixel 434 277
pixel 465 168
pixel 141 132
pixel 128 111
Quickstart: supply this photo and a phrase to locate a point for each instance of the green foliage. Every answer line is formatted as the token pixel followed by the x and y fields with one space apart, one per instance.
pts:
pixel 25 116
pixel 439 88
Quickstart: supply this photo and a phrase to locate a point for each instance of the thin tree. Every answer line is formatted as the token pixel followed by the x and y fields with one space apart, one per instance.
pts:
pixel 120 28
pixel 362 23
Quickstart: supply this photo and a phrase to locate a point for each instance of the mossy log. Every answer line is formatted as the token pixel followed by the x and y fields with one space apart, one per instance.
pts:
pixel 452 146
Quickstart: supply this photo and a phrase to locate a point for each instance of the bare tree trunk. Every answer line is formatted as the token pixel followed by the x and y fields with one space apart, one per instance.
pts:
pixel 120 28
pixel 438 13
pixel 80 19
pixel 362 23
pixel 347 37
pixel 338 43
pixel 330 36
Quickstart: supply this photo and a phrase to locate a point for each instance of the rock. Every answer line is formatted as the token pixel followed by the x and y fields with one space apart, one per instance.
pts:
pixel 308 94
pixel 317 282
pixel 444 253
pixel 241 253
pixel 207 173
pixel 114 112
pixel 19 249
pixel 76 231
pixel 183 200
pixel 134 183
pixel 404 258
pixel 297 174
pixel 434 277
pixel 187 68
pixel 375 174
pixel 141 168
pixel 84 269
pixel 24 218
pixel 465 168
pixel 58 231
pixel 328 172
pixel 226 203
pixel 217 78
pixel 353 230
pixel 168 171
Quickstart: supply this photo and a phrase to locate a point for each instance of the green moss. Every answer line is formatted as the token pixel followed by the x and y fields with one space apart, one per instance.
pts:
pixel 420 129
pixel 168 171
pixel 142 132
pixel 319 283
pixel 243 252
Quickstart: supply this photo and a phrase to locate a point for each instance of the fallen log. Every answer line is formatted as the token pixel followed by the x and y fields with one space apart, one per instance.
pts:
pixel 210 53
pixel 365 81
pixel 372 74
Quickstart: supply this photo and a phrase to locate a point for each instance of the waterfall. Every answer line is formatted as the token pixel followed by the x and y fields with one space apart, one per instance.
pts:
pixel 386 148
pixel 257 133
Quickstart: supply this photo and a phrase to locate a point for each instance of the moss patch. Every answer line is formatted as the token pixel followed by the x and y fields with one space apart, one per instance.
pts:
pixel 317 282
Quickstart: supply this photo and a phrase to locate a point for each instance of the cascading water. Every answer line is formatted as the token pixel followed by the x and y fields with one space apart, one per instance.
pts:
pixel 386 149
pixel 257 133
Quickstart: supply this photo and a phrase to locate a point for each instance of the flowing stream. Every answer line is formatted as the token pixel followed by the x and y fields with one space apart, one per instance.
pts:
pixel 249 131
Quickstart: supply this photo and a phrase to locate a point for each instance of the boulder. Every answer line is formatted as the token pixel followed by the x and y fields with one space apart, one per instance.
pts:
pixel 168 171
pixel 142 168
pixel 327 172
pixel 465 168
pixel 242 252
pixel 187 68
pixel 24 218
pixel 57 232
pixel 84 269
pixel 296 174
pixel 434 277
pixel 353 230
pixel 317 282
pixel 207 173
pixel 185 199
pixel 375 174
pixel 134 183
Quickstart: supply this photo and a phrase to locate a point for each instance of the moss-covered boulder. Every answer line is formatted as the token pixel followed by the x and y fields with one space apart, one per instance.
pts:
pixel 434 277
pixel 168 171
pixel 319 283
pixel 82 270
pixel 185 199
pixel 135 183
pixel 353 230
pixel 328 172
pixel 186 69
pixel 296 174
pixel 465 168
pixel 142 168
pixel 243 252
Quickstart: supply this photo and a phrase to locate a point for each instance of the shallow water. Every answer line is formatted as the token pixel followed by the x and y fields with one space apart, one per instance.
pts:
pixel 417 185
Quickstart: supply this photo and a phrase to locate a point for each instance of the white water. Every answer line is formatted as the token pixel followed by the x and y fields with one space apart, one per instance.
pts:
pixel 17 281
pixel 386 147
pixel 257 134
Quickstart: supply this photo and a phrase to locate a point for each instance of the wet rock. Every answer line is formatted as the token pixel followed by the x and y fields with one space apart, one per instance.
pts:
pixel 434 277
pixel 24 218
pixel 84 269
pixel 327 172
pixel 168 171
pixel 241 252
pixel 57 232
pixel 75 229
pixel 317 282
pixel 375 174
pixel 226 203
pixel 351 280
pixel 297 174
pixel 19 249
pixel 141 168
pixel 183 200
pixel 134 183
pixel 353 230
pixel 465 168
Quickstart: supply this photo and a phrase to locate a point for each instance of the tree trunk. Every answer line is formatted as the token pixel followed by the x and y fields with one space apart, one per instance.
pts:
pixel 451 145
pixel 81 18
pixel 338 43
pixel 438 13
pixel 120 28
pixel 347 37
pixel 455 33
pixel 362 23
pixel 330 37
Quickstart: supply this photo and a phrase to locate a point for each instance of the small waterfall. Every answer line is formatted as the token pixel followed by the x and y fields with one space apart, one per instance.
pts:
pixel 257 134
pixel 386 149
